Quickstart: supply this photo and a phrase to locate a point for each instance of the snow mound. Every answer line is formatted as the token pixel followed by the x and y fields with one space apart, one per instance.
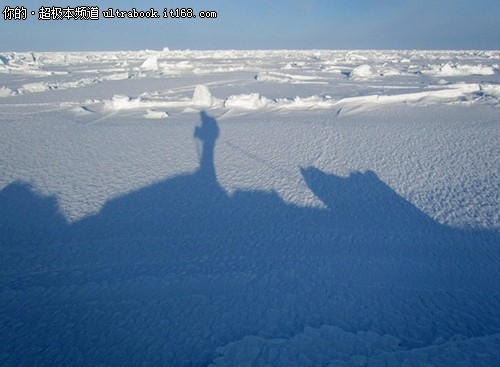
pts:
pixel 202 99
pixel 121 102
pixel 202 96
pixel 22 63
pixel 184 65
pixel 452 94
pixel 150 64
pixel 491 89
pixel 390 72
pixel 271 77
pixel 300 103
pixel 37 87
pixel 449 69
pixel 5 92
pixel 34 87
pixel 277 77
pixel 362 71
pixel 155 115
pixel 146 101
pixel 178 68
pixel 117 76
pixel 253 101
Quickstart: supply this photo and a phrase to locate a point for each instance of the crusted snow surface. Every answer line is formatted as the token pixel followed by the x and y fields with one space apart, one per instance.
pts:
pixel 335 208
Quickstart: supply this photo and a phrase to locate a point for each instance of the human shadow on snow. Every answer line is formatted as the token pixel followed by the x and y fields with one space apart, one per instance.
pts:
pixel 249 254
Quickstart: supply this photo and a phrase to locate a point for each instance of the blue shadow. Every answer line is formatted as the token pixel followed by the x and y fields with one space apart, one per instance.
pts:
pixel 170 272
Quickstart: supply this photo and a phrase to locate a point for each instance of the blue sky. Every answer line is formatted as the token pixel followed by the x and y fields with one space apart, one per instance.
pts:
pixel 265 24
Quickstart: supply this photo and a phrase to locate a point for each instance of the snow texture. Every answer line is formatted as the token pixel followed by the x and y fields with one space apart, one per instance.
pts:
pixel 265 208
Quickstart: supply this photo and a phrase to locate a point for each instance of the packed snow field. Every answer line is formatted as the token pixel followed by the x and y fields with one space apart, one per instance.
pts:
pixel 226 208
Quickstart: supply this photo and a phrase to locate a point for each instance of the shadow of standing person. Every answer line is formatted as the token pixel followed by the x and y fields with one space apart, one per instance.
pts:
pixel 207 133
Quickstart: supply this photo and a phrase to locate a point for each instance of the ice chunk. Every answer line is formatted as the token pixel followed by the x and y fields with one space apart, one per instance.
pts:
pixel 449 69
pixel 253 101
pixel 202 96
pixel 117 76
pixel 362 71
pixel 34 87
pixel 5 92
pixel 491 89
pixel 122 102
pixel 151 114
pixel 151 63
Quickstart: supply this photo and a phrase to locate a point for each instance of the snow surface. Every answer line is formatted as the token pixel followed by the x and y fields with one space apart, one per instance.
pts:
pixel 232 208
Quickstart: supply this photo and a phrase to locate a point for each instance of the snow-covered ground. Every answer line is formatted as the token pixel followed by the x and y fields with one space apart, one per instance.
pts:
pixel 250 208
